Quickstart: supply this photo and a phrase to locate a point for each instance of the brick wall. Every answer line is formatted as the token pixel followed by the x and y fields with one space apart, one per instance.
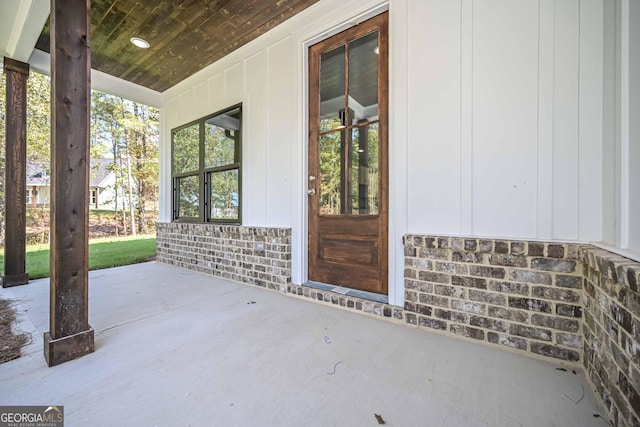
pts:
pixel 522 295
pixel 255 255
pixel 576 303
pixel 611 331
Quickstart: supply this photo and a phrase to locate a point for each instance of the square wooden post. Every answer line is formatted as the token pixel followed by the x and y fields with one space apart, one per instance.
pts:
pixel 70 336
pixel 15 174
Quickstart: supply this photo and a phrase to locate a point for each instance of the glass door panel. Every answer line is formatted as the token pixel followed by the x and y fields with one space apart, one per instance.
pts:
pixel 332 189
pixel 363 78
pixel 348 128
pixel 332 89
pixel 364 170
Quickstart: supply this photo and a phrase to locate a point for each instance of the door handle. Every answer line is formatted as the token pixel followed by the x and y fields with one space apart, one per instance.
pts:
pixel 311 191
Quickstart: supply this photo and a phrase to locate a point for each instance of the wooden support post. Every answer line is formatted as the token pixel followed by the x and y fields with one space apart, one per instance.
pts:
pixel 70 336
pixel 15 174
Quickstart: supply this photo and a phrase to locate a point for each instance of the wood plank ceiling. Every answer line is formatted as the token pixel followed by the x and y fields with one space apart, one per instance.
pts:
pixel 185 36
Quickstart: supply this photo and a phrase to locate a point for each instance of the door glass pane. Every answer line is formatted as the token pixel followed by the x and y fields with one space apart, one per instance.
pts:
pixel 349 172
pixel 364 170
pixel 221 135
pixel 332 96
pixel 185 149
pixel 363 78
pixel 188 196
pixel 224 194
pixel 331 200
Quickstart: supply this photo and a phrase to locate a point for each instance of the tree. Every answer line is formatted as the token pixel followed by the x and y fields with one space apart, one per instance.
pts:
pixel 38 129
pixel 144 151
pixel 120 128
pixel 132 132
pixel 39 123
pixel 39 120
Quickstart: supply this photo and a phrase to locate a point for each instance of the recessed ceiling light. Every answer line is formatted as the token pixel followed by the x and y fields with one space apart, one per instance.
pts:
pixel 141 43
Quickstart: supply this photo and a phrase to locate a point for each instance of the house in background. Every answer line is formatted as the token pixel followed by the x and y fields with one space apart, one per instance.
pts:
pixel 101 185
pixel 468 167
pixel 38 185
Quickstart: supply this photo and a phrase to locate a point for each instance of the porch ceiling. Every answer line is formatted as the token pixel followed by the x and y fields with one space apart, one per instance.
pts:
pixel 185 36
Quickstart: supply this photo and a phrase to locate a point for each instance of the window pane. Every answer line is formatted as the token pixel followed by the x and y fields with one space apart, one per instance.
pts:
pixel 224 194
pixel 349 172
pixel 363 78
pixel 364 170
pixel 186 150
pixel 332 197
pixel 332 96
pixel 221 135
pixel 188 196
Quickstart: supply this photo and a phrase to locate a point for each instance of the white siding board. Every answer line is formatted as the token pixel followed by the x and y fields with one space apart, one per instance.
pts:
pixel 623 40
pixel 611 195
pixel 164 205
pixel 281 120
pixel 633 119
pixel 434 118
pixel 545 120
pixel 233 90
pixel 172 109
pixel 398 146
pixel 590 119
pixel 505 110
pixel 216 92
pixel 254 159
pixel 565 120
pixel 466 118
pixel 186 106
pixel 200 100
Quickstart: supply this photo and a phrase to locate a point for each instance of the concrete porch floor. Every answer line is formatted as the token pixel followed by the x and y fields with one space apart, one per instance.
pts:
pixel 178 348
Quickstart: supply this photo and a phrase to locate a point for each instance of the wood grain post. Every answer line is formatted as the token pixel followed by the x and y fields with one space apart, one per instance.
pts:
pixel 70 336
pixel 17 74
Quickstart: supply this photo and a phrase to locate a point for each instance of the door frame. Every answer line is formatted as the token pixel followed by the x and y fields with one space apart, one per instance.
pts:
pixel 396 228
pixel 349 248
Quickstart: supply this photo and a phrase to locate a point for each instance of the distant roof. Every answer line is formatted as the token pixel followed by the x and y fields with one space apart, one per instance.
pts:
pixel 38 174
pixel 99 171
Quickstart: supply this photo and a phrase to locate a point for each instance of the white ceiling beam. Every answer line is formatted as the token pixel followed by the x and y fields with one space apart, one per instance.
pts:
pixel 41 62
pixel 21 23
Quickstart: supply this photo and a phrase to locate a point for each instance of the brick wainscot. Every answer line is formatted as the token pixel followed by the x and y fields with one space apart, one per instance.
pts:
pixel 576 303
pixel 255 255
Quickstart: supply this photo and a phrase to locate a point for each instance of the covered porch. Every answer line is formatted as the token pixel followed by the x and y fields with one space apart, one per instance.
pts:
pixel 176 347
pixel 512 203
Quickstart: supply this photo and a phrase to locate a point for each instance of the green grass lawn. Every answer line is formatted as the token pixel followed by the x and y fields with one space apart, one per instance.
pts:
pixel 103 253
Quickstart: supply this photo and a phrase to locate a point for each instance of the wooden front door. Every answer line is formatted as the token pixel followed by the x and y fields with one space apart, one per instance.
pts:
pixel 348 173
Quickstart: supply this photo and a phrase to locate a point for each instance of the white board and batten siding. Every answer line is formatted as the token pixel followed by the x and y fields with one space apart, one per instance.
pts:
pixel 631 119
pixel 503 120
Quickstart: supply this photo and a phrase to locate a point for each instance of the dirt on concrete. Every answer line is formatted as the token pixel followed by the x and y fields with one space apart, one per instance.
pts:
pixel 11 342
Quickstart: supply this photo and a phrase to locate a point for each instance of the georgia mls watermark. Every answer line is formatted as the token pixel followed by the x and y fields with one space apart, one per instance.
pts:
pixel 31 416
